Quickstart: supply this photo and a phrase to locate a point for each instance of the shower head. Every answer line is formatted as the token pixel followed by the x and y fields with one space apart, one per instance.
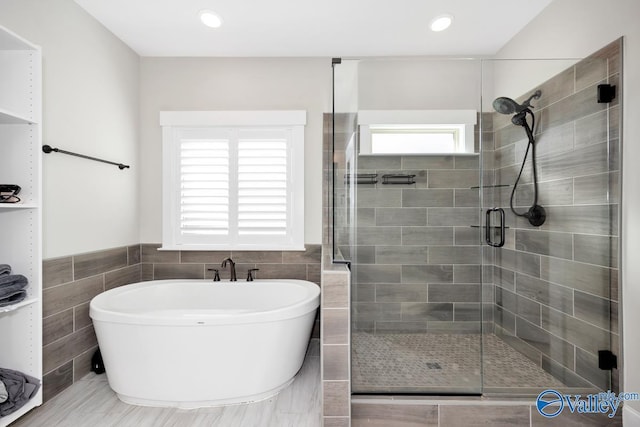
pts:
pixel 504 105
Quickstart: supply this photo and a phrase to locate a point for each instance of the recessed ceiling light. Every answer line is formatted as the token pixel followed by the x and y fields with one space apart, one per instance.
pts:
pixel 441 22
pixel 210 19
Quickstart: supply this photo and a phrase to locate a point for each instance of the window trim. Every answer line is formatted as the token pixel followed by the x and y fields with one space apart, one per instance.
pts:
pixel 291 120
pixel 430 120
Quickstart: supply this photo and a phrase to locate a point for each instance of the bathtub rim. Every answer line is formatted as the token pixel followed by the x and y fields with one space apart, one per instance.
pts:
pixel 201 317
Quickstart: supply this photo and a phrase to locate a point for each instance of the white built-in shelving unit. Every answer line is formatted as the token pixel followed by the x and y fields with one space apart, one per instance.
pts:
pixel 21 223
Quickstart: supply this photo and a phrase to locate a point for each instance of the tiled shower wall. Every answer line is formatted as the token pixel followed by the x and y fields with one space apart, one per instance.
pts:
pixel 557 285
pixel 71 282
pixel 417 256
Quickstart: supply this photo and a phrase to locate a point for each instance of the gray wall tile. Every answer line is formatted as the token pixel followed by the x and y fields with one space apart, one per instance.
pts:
pixel 493 415
pixel 401 216
pixel 377 273
pixel 576 331
pixel 374 198
pixel 427 235
pixel 57 380
pixel 413 198
pixel 427 273
pixel 453 216
pixel 597 189
pixel 59 352
pixel 558 297
pixel 397 292
pixel 63 297
pixel 457 178
pixel 539 338
pixel 393 414
pixel 57 271
pixel 454 293
pixel 57 326
pixel 335 362
pixel 600 250
pixel 545 243
pixel 401 254
pixel 90 264
pixel 593 309
pixel 585 277
pixel 335 326
pixel 178 271
pixel 123 276
pixel 518 261
pixel 379 236
pixel 413 311
pixel 454 255
pixel 150 254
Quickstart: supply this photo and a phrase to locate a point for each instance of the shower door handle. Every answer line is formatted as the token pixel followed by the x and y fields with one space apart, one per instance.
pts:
pixel 489 229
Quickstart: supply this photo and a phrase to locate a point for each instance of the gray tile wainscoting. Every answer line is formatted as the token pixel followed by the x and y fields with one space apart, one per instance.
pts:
pixel 71 282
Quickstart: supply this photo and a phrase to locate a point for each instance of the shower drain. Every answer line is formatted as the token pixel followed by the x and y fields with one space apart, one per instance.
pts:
pixel 433 365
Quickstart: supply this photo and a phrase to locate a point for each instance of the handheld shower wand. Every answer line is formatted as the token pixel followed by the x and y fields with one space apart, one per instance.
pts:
pixel 536 213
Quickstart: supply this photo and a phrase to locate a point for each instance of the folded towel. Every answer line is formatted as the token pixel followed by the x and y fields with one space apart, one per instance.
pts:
pixel 13 280
pixel 20 388
pixel 5 269
pixel 3 393
pixel 13 298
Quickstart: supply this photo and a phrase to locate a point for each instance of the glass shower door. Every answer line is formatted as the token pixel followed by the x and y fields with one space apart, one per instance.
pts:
pixel 553 284
pixel 416 256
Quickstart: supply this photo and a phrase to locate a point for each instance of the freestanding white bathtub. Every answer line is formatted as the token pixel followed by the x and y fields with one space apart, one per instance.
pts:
pixel 195 343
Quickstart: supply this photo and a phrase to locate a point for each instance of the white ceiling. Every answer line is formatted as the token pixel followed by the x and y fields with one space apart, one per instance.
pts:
pixel 334 28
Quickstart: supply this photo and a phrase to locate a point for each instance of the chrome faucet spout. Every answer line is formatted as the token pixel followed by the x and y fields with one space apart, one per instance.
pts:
pixel 232 268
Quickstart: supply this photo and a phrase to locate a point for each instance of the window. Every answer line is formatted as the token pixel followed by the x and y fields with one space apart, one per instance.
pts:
pixel 233 180
pixel 416 132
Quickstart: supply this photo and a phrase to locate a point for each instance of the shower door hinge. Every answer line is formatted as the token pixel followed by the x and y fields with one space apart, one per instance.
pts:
pixel 606 93
pixel 607 360
pixel 335 61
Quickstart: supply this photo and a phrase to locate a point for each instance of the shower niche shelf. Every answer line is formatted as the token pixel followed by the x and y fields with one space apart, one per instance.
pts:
pixel 363 178
pixel 398 179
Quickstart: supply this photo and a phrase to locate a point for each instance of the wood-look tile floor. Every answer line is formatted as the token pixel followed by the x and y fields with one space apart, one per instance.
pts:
pixel 90 402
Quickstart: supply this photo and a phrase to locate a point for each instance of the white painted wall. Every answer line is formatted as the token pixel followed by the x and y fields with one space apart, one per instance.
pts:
pixel 90 106
pixel 419 84
pixel 231 84
pixel 570 28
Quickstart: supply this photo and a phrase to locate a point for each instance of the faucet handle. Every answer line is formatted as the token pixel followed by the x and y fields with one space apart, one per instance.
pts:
pixel 250 274
pixel 216 274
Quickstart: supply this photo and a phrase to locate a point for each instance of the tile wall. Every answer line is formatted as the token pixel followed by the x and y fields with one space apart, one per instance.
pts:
pixel 71 282
pixel 556 286
pixel 335 300
pixel 417 256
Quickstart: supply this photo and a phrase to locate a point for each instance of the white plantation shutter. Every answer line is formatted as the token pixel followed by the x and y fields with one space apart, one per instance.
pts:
pixel 204 187
pixel 262 183
pixel 232 187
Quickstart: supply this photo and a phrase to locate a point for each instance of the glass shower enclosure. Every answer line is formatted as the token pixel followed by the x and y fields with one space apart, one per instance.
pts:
pixel 475 269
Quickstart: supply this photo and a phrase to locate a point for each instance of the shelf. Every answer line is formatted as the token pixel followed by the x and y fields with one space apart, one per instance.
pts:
pixel 32 403
pixel 10 118
pixel 21 304
pixel 11 206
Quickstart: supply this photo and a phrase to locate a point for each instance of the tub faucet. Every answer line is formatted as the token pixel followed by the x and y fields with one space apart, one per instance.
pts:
pixel 232 268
